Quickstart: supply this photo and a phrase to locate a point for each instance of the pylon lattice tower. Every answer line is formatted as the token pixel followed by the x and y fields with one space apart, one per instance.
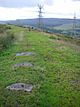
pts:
pixel 74 25
pixel 40 24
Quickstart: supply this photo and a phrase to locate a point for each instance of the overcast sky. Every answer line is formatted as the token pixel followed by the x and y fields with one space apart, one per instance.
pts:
pixel 25 9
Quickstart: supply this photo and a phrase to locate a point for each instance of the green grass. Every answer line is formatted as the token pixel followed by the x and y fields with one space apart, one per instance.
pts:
pixel 55 74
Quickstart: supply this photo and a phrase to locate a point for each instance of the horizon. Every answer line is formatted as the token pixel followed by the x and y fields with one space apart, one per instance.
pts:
pixel 37 18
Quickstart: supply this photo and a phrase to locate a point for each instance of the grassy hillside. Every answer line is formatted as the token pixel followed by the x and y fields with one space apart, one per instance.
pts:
pixel 55 72
pixel 64 27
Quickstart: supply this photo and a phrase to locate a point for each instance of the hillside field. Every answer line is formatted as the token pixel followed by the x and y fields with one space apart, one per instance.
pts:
pixel 55 73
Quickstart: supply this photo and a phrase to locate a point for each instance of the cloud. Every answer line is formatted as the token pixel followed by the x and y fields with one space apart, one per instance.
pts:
pixel 16 13
pixel 76 0
pixel 49 2
pixel 23 3
pixel 19 9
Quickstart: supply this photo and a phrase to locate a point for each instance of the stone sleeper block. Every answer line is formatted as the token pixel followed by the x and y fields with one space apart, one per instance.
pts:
pixel 24 64
pixel 25 54
pixel 21 86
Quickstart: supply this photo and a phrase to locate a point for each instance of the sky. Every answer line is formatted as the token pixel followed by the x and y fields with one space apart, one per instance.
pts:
pixel 27 9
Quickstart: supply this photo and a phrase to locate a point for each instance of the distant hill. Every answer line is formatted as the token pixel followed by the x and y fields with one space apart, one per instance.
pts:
pixel 68 26
pixel 46 21
pixel 2 22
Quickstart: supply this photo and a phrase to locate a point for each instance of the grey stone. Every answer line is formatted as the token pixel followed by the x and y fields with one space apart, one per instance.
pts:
pixel 25 54
pixel 24 64
pixel 20 86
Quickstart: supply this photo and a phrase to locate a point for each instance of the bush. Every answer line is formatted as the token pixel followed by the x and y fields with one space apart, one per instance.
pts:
pixel 6 39
pixel 55 37
pixel 3 28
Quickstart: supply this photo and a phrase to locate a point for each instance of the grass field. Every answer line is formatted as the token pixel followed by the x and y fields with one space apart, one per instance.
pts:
pixel 55 72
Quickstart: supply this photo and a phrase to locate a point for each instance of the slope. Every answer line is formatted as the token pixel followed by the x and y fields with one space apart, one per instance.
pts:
pixel 55 72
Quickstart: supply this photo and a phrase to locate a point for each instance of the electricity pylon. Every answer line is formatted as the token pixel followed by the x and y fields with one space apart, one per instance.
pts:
pixel 40 23
pixel 74 25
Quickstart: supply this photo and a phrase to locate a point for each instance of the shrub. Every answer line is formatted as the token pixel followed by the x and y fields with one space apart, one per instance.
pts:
pixel 6 39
